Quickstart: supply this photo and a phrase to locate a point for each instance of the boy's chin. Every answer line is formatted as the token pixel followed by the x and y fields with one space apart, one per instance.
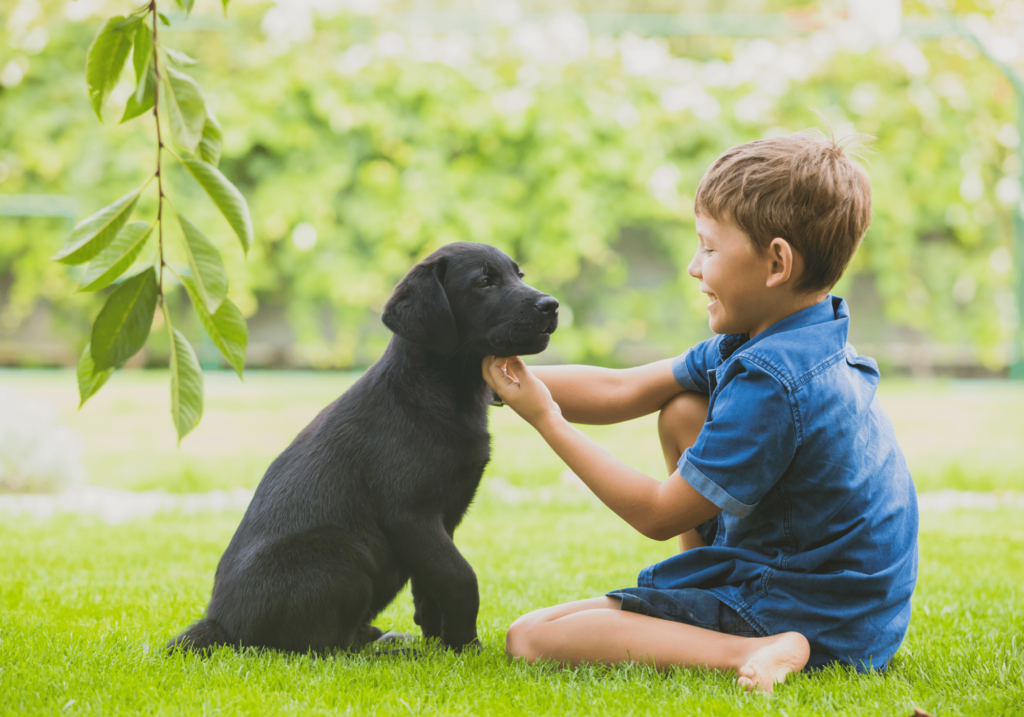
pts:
pixel 722 326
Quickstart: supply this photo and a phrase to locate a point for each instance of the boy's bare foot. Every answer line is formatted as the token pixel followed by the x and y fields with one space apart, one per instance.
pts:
pixel 774 658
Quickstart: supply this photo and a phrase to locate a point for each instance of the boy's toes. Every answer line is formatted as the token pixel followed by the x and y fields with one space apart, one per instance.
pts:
pixel 747 679
pixel 775 658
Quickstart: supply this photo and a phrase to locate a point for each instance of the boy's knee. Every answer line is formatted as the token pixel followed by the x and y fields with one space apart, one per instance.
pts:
pixel 517 638
pixel 684 414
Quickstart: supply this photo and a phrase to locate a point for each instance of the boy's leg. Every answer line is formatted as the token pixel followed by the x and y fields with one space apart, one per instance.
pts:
pixel 679 423
pixel 596 630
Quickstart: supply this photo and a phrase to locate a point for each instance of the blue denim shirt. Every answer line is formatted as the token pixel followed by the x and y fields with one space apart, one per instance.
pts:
pixel 818 530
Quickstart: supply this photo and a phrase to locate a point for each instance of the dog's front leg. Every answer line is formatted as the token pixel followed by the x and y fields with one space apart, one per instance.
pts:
pixel 443 575
pixel 428 615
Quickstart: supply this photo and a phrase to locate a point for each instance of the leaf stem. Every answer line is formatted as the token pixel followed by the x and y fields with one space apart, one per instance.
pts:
pixel 159 152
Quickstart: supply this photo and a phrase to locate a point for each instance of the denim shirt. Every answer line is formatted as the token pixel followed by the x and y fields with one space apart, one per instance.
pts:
pixel 818 530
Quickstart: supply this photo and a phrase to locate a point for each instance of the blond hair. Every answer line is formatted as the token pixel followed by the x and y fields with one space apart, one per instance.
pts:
pixel 802 187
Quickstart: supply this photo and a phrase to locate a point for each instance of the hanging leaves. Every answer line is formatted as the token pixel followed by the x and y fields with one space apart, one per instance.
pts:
pixel 111 245
pixel 145 77
pixel 106 59
pixel 116 258
pixel 226 196
pixel 122 326
pixel 226 327
pixel 186 382
pixel 92 235
pixel 207 267
pixel 212 142
pixel 89 379
pixel 186 108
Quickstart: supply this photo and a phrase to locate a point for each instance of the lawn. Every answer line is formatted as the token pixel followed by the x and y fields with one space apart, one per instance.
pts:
pixel 85 607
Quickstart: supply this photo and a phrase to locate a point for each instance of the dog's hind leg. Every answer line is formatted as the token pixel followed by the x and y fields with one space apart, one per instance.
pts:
pixel 306 592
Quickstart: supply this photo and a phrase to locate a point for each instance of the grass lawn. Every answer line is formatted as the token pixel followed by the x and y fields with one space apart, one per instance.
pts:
pixel 85 607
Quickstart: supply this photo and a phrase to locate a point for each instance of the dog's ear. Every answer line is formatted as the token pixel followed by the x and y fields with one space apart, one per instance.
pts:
pixel 419 312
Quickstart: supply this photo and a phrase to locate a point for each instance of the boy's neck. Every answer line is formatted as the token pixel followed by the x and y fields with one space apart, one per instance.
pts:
pixel 786 307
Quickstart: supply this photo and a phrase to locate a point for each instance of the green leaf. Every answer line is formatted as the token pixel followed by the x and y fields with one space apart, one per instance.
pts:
pixel 142 51
pixel 122 326
pixel 105 60
pixel 130 22
pixel 212 142
pixel 186 382
pixel 163 19
pixel 207 266
pixel 185 5
pixel 142 99
pixel 93 234
pixel 89 379
pixel 186 109
pixel 224 4
pixel 116 258
pixel 226 328
pixel 226 196
pixel 179 58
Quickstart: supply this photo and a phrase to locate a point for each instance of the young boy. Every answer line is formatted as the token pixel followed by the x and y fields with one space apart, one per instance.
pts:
pixel 795 509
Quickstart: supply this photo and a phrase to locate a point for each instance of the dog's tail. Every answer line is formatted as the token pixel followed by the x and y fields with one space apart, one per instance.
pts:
pixel 202 637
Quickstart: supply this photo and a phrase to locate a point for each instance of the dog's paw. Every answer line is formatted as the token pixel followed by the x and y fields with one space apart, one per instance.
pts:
pixel 473 646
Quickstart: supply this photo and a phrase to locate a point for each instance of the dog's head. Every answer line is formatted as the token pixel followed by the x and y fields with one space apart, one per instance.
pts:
pixel 472 297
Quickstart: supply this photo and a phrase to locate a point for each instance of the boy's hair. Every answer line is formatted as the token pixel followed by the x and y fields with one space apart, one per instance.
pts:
pixel 802 187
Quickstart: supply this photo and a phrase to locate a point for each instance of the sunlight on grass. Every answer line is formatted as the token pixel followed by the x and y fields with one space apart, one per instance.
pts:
pixel 86 609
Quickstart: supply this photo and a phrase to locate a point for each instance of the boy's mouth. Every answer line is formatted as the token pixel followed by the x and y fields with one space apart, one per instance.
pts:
pixel 713 298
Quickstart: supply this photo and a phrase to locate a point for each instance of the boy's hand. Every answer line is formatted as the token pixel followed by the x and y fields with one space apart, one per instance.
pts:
pixel 518 388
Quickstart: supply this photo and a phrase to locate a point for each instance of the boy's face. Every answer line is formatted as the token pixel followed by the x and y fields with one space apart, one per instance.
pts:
pixel 732 272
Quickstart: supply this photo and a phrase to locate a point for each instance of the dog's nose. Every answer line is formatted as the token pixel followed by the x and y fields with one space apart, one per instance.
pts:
pixel 547 304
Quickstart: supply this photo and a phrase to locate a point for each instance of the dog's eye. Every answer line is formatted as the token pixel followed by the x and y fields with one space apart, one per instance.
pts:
pixel 486 281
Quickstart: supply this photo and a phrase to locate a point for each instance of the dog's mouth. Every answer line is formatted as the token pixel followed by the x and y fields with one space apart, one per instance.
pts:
pixel 523 339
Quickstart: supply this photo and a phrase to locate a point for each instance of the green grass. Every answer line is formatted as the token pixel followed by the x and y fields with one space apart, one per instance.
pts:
pixel 85 608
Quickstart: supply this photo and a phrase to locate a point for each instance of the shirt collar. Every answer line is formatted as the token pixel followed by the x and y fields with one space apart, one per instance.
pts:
pixel 831 308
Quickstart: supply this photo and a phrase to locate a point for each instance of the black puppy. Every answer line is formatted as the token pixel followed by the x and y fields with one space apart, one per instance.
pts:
pixel 370 493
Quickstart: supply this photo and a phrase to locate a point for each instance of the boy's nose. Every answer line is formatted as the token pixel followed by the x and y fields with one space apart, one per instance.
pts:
pixel 694 268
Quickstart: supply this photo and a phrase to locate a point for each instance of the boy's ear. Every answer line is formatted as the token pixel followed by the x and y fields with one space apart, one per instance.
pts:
pixel 782 260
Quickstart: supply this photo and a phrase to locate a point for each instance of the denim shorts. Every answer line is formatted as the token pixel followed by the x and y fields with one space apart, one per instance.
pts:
pixel 690 606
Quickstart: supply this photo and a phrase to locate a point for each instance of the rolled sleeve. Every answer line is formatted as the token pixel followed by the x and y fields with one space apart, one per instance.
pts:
pixel 712 491
pixel 747 443
pixel 691 368
pixel 682 374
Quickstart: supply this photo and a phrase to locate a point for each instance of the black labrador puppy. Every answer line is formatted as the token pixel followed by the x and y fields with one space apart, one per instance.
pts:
pixel 369 494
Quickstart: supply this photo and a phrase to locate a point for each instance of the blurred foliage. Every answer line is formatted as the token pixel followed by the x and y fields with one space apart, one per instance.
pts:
pixel 362 144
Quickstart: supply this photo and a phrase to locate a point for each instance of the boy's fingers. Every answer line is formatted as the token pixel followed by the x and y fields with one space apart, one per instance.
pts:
pixel 494 373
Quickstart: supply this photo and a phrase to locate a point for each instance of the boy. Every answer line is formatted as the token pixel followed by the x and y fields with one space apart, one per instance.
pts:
pixel 795 509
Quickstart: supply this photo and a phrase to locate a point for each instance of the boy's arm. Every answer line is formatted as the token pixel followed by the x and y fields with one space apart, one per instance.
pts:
pixel 659 510
pixel 595 395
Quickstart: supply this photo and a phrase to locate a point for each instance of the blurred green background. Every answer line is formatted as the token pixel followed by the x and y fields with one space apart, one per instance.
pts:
pixel 365 134
pixel 961 435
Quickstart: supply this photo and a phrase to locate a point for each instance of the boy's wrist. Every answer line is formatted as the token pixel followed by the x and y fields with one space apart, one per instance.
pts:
pixel 548 419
